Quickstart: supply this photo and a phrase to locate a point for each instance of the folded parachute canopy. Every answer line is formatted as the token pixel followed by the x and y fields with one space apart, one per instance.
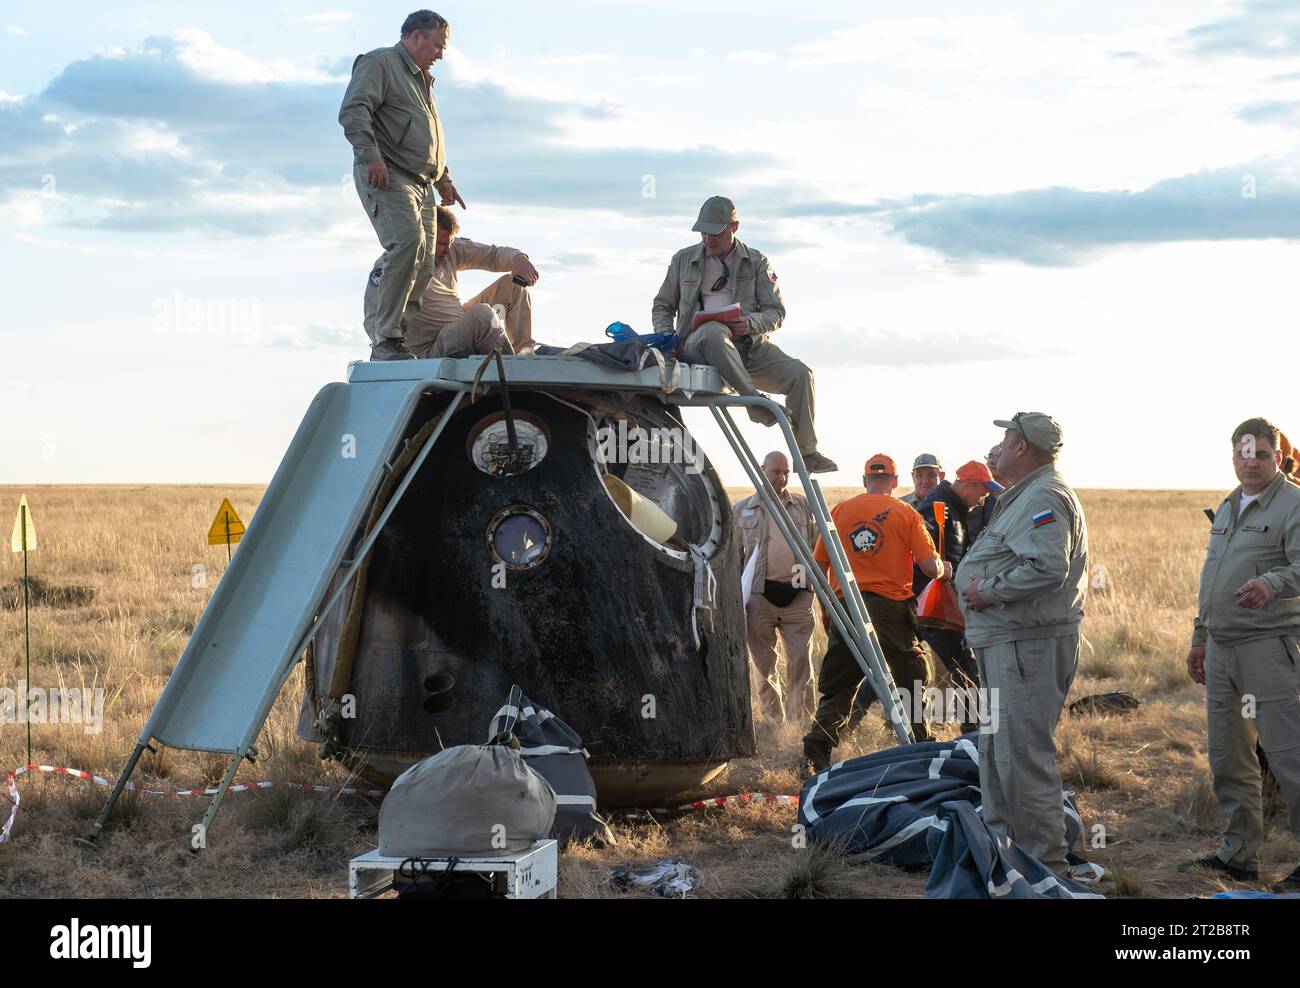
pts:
pixel 918 805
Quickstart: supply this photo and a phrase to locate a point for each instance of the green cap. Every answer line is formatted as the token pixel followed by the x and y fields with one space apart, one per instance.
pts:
pixel 927 460
pixel 716 215
pixel 1038 427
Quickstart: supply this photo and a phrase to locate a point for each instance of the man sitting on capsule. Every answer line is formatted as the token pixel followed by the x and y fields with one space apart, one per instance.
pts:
pixel 718 275
pixel 498 318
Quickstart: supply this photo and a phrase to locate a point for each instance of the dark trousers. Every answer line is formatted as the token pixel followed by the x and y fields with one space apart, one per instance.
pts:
pixel 950 646
pixel 840 676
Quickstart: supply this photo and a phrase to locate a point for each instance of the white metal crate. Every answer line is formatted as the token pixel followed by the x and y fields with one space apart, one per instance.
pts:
pixel 528 874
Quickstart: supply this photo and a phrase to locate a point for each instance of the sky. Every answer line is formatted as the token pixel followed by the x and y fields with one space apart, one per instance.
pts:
pixel 1088 210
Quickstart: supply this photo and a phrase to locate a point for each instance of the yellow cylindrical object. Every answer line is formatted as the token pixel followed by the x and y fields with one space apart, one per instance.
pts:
pixel 647 516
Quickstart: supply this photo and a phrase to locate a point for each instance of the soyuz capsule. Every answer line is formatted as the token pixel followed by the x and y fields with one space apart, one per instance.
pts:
pixel 575 542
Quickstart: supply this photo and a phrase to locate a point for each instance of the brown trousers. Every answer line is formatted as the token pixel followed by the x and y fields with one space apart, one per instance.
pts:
pixel 795 623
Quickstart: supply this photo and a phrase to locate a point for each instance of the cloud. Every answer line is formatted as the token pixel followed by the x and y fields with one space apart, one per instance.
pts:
pixel 14 29
pixel 1260 28
pixel 581 58
pixel 844 347
pixel 184 135
pixel 316 336
pixel 1285 112
pixel 325 17
pixel 990 45
pixel 589 261
pixel 1061 227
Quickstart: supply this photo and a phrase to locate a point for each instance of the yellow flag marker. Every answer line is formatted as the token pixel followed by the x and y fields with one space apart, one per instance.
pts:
pixel 226 528
pixel 24 537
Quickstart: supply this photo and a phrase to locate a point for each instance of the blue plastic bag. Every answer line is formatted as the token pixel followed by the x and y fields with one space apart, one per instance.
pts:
pixel 621 332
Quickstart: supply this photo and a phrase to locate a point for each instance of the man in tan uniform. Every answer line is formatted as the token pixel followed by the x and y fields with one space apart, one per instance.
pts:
pixel 499 317
pixel 779 598
pixel 1246 649
pixel 1022 586
pixel 390 119
pixel 713 275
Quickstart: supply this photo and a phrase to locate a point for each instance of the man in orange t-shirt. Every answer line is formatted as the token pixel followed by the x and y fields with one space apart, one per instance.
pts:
pixel 882 538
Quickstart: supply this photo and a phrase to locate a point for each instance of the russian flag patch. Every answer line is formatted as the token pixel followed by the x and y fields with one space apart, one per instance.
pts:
pixel 1044 518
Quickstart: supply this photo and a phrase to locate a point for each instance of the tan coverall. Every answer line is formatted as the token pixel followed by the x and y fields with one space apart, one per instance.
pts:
pixel 500 316
pixel 754 363
pixel 1252 662
pixel 1033 560
pixel 764 620
pixel 388 112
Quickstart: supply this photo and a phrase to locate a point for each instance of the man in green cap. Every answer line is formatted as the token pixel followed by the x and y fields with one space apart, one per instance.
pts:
pixel 1022 586
pixel 400 167
pixel 927 475
pixel 716 275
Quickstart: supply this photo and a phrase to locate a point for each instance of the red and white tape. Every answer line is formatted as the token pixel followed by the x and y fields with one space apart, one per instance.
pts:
pixel 99 780
pixel 744 797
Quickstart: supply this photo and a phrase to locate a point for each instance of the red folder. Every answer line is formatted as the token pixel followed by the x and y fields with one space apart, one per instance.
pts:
pixel 722 315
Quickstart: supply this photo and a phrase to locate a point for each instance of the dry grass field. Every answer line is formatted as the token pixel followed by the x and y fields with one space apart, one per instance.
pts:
pixel 120 599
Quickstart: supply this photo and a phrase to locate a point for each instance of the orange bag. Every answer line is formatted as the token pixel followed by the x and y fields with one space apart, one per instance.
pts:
pixel 937 605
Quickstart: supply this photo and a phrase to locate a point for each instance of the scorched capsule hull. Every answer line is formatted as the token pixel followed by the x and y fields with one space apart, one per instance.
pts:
pixel 481 580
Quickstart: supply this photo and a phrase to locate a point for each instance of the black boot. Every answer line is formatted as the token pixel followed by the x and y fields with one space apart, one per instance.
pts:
pixel 1289 884
pixel 391 348
pixel 1212 862
pixel 816 758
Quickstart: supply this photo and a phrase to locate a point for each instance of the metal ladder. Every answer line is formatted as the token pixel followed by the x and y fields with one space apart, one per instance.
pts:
pixel 849 612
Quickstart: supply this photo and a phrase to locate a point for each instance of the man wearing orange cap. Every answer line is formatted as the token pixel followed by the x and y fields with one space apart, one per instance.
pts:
pixel 979 516
pixel 882 539
pixel 960 498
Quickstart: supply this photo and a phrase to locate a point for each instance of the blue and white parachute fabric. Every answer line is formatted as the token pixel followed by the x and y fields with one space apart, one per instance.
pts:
pixel 974 861
pixel 918 805
pixel 553 750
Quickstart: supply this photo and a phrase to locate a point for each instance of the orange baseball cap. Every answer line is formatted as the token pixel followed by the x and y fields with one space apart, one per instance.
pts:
pixel 880 465
pixel 977 471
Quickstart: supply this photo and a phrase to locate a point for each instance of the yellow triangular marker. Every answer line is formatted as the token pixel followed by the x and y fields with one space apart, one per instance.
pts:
pixel 24 537
pixel 225 514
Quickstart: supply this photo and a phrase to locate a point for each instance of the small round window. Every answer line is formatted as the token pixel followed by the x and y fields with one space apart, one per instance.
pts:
pixel 491 450
pixel 519 537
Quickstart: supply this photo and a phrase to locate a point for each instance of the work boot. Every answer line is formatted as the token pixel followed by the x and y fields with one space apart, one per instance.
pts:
pixel 761 414
pixel 391 348
pixel 1212 862
pixel 819 463
pixel 815 759
pixel 1289 884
